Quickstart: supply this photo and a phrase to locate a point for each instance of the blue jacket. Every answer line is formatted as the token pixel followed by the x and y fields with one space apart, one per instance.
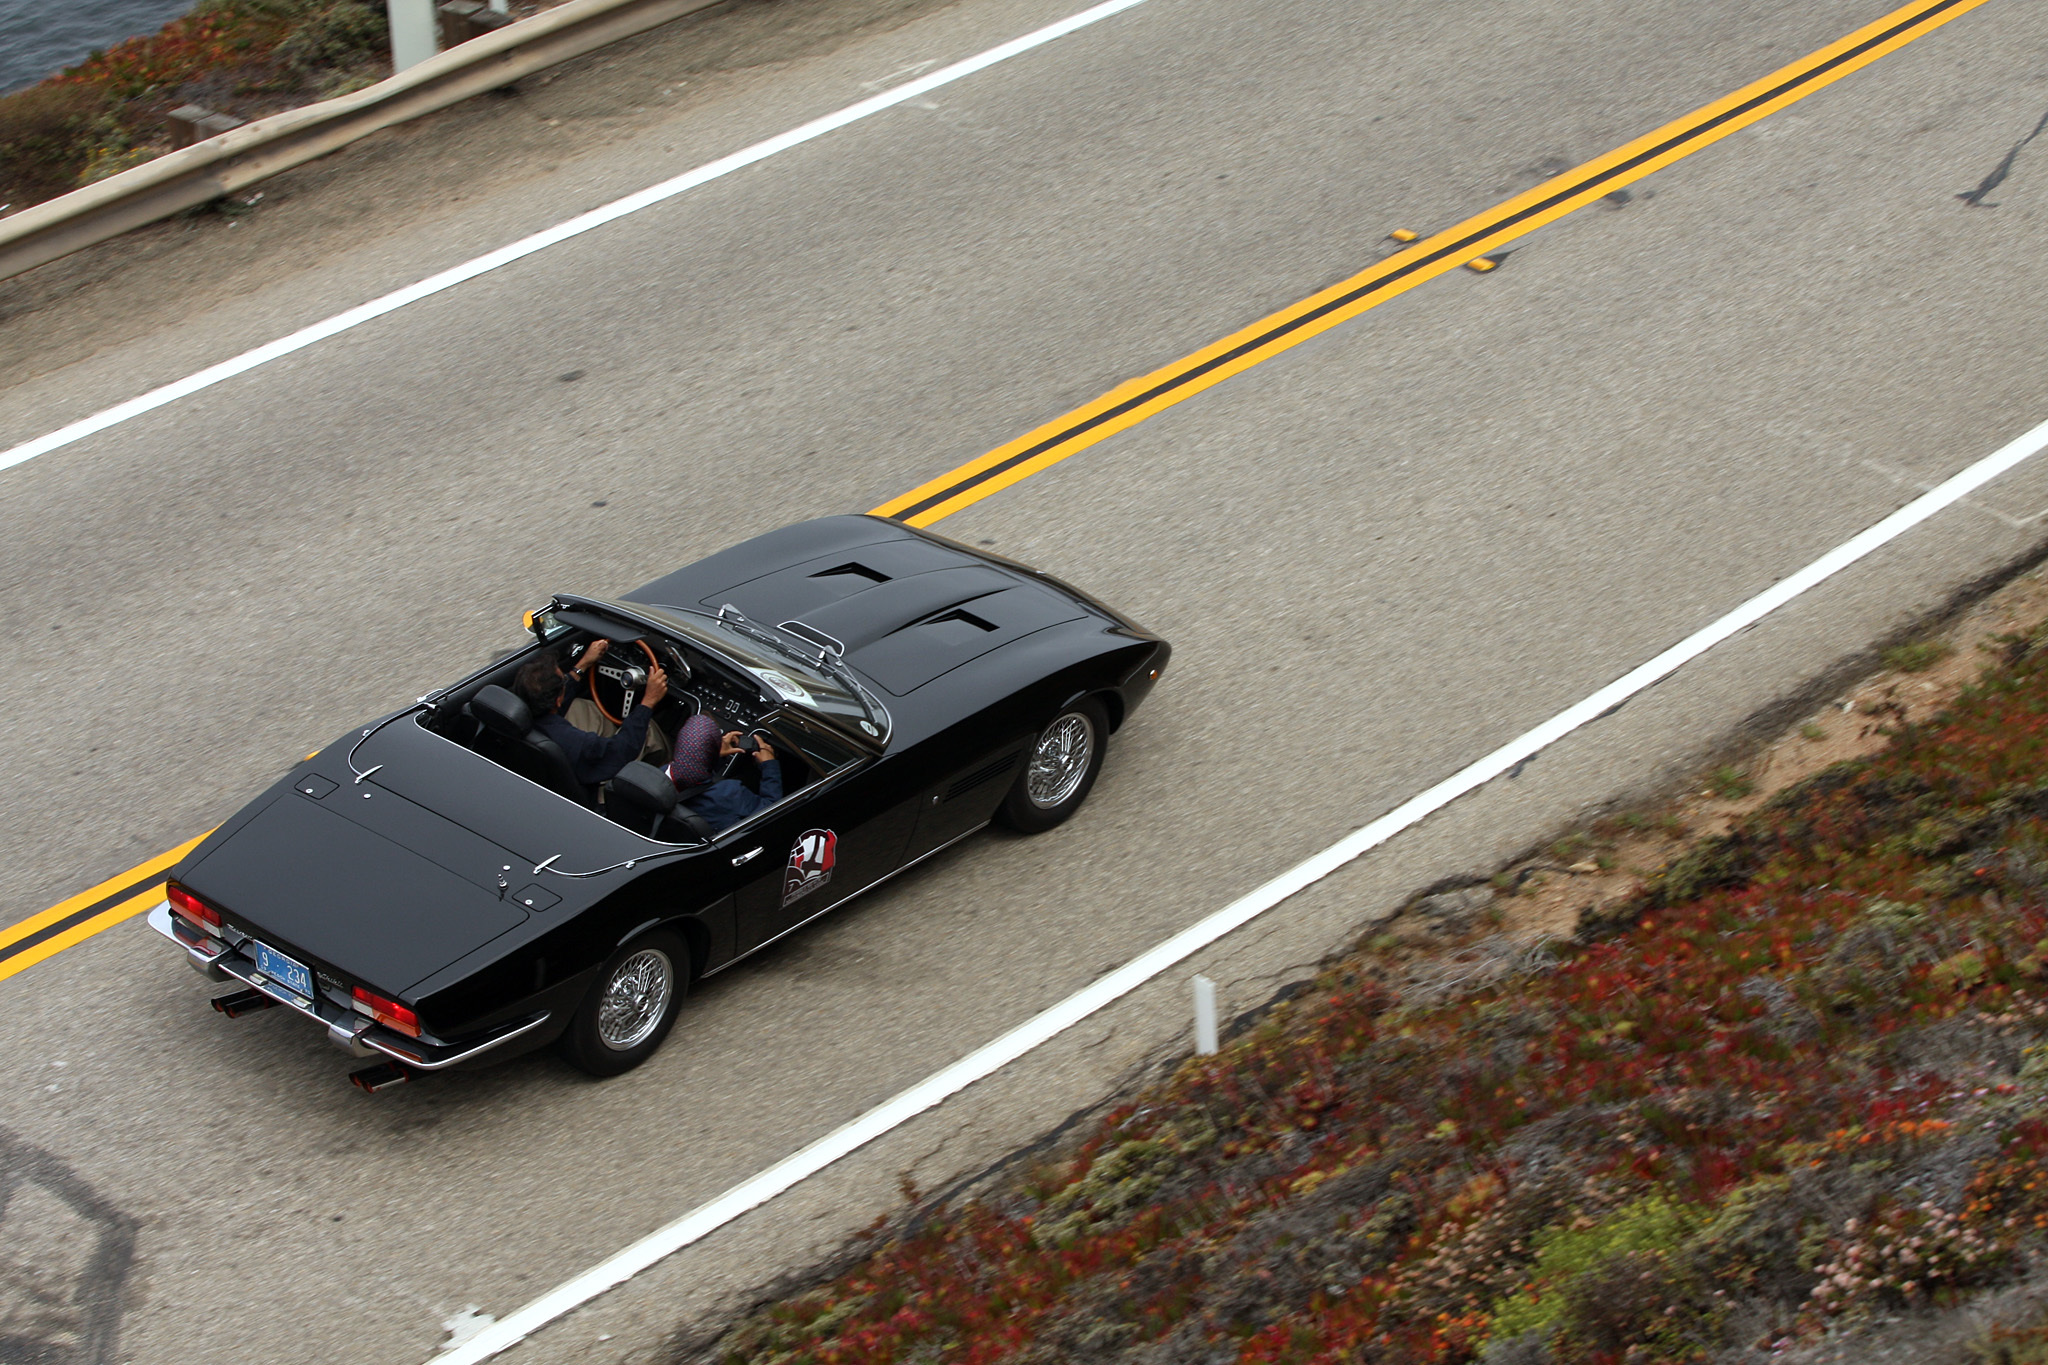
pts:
pixel 725 803
pixel 597 758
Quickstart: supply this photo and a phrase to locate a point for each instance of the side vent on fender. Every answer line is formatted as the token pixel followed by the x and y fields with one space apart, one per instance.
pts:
pixel 981 777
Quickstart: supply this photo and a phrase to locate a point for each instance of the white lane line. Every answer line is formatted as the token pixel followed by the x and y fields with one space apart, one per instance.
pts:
pixel 561 232
pixel 791 1170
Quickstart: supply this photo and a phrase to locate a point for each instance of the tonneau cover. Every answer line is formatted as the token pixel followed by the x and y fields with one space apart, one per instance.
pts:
pixel 314 882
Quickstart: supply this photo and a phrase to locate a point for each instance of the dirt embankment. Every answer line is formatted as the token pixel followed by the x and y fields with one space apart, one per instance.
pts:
pixel 1757 1073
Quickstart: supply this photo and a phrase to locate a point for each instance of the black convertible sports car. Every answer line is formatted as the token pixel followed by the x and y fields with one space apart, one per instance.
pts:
pixel 437 887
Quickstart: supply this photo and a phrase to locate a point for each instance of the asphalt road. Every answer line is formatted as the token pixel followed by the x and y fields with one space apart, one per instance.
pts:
pixel 1378 556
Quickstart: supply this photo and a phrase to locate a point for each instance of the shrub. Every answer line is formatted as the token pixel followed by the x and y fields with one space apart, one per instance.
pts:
pixel 340 34
pixel 48 133
pixel 1636 1243
pixel 1117 1183
pixel 1730 784
pixel 102 116
pixel 1916 657
pixel 213 37
pixel 2006 1344
pixel 1903 1257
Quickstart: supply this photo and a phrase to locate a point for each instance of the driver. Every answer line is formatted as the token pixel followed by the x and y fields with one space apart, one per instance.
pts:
pixel 728 801
pixel 585 714
pixel 593 758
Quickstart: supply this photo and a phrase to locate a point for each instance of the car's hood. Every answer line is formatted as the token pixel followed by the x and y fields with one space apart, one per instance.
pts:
pixel 907 608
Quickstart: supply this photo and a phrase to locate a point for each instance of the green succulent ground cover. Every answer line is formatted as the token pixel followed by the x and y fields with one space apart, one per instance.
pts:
pixel 245 57
pixel 1797 1092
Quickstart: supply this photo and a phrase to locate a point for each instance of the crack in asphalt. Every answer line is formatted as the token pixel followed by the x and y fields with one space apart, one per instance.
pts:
pixel 1975 198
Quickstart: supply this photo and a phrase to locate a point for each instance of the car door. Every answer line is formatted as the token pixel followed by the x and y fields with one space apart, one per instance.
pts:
pixel 837 836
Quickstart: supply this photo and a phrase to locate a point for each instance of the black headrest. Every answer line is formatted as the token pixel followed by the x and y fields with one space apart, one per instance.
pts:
pixel 645 786
pixel 501 712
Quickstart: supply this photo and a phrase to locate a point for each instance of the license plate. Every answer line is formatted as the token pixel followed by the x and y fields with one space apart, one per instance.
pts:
pixel 295 977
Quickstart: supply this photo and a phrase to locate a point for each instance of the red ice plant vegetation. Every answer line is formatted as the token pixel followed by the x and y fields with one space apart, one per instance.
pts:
pixel 209 38
pixel 1802 1083
pixel 246 57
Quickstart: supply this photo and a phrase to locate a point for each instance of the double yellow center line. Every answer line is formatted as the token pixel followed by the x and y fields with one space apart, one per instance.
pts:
pixel 50 932
pixel 1131 403
pixel 85 914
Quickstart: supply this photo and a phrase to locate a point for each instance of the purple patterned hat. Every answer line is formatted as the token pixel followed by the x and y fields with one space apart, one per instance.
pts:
pixel 696 751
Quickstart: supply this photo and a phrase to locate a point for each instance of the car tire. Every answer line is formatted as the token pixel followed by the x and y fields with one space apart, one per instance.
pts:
pixel 1059 769
pixel 631 1006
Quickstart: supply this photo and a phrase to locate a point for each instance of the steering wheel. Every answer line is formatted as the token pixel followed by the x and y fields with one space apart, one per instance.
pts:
pixel 622 682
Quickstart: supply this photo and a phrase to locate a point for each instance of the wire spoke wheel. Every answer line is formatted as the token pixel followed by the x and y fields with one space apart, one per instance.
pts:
pixel 635 999
pixel 1061 760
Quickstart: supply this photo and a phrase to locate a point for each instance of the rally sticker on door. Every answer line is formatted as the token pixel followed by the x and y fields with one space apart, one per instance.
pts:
pixel 810 864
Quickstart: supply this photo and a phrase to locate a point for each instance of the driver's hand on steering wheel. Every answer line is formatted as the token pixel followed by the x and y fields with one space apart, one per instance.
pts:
pixel 657 687
pixel 592 652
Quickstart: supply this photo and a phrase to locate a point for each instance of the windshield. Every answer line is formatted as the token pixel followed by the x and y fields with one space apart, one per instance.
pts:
pixel 789 666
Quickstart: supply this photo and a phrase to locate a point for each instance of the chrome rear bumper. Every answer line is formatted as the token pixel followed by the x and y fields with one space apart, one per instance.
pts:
pixel 217 960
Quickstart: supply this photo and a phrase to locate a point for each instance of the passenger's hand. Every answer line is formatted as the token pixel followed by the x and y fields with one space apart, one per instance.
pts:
pixel 592 652
pixel 764 752
pixel 729 743
pixel 657 687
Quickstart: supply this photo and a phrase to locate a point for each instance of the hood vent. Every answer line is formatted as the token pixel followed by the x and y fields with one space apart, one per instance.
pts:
pixel 958 625
pixel 845 571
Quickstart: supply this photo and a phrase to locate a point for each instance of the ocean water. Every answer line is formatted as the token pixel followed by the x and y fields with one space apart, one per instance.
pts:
pixel 40 37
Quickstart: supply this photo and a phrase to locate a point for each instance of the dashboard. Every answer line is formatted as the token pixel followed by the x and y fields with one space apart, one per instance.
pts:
pixel 723 698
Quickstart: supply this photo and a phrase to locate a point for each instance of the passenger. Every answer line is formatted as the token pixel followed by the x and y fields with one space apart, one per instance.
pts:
pixel 728 801
pixel 593 758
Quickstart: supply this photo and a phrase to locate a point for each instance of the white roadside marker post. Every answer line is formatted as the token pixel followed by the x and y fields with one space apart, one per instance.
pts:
pixel 415 32
pixel 1205 1017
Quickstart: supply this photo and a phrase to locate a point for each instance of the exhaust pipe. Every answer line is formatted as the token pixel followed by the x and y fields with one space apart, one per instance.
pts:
pixel 242 1002
pixel 382 1076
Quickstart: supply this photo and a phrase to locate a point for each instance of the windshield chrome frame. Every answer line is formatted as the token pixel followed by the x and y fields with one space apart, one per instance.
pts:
pixel 675 619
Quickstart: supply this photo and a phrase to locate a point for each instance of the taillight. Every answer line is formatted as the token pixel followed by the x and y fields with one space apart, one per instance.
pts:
pixel 389 1013
pixel 192 910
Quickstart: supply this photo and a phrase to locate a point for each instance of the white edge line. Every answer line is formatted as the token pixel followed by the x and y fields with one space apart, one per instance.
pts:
pixel 547 237
pixel 751 1193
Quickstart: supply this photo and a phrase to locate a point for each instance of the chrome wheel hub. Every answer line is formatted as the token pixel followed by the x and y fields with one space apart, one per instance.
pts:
pixel 635 999
pixel 1060 761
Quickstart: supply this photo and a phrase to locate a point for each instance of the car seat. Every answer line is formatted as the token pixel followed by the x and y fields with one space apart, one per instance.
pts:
pixel 643 799
pixel 510 739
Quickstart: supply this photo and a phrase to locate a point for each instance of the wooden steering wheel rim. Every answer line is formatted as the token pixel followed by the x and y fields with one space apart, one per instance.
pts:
pixel 591 683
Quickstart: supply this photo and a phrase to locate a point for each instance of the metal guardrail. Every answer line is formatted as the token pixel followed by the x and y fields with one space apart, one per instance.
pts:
pixel 241 157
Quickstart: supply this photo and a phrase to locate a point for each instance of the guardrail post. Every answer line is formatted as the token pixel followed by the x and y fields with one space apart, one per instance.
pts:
pixel 1205 1016
pixel 462 20
pixel 415 32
